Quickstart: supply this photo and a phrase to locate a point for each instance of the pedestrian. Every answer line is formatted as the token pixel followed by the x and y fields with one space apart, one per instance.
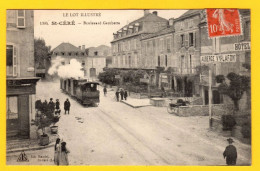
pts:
pixel 51 105
pixel 57 152
pixel 38 105
pixel 45 107
pixel 57 104
pixel 125 94
pixel 64 154
pixel 67 106
pixel 230 153
pixel 105 91
pixel 122 94
pixel 117 95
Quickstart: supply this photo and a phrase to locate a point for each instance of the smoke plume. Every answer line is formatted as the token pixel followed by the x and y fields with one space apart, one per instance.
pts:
pixel 72 70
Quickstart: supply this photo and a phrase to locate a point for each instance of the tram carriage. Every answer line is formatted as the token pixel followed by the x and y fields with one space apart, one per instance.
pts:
pixel 86 92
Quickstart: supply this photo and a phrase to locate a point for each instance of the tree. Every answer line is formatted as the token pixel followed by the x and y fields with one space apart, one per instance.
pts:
pixel 236 87
pixel 41 52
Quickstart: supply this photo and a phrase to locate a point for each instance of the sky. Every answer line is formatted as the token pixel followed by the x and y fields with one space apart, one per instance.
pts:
pixel 90 35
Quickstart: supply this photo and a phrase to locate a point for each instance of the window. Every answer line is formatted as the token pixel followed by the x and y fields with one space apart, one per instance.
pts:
pixel 63 63
pixel 161 45
pixel 96 53
pixel 182 40
pixel 76 53
pixel 159 61
pixel 247 30
pixel 69 54
pixel 56 54
pixel 11 60
pixel 12 107
pixel 136 29
pixel 62 53
pixel 21 19
pixel 182 63
pixel 83 63
pixel 190 64
pixel 182 25
pixel 166 61
pixel 134 43
pixel 82 53
pixel 190 23
pixel 168 44
pixel 191 37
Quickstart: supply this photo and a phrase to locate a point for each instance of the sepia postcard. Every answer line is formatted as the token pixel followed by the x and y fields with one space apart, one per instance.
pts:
pixel 128 87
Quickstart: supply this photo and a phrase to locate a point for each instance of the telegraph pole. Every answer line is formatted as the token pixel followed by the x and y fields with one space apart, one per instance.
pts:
pixel 210 98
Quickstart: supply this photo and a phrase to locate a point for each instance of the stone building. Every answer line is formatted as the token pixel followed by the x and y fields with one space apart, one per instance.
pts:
pixel 157 51
pixel 68 51
pixel 92 59
pixel 225 46
pixel 182 75
pixel 126 45
pixel 20 73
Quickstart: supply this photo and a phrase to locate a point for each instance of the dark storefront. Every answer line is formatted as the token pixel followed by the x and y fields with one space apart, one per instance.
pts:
pixel 19 106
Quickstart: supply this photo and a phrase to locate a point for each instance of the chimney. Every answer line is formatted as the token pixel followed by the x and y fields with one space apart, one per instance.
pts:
pixel 155 13
pixel 146 11
pixel 83 47
pixel 171 21
pixel 80 47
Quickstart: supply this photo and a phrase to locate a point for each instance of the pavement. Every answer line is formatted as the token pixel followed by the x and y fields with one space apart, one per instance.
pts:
pixel 116 134
pixel 18 145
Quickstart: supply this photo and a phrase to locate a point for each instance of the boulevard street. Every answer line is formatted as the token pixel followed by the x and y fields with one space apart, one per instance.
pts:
pixel 116 134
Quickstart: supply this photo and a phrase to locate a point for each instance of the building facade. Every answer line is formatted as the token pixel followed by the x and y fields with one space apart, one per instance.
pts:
pixel 225 46
pixel 92 60
pixel 126 46
pixel 157 51
pixel 20 73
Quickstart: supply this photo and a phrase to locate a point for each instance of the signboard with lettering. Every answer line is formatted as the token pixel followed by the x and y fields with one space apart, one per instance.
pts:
pixel 243 46
pixel 117 76
pixel 144 80
pixel 92 72
pixel 218 58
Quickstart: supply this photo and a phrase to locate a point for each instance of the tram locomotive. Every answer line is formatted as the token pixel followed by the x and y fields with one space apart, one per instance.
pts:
pixel 84 91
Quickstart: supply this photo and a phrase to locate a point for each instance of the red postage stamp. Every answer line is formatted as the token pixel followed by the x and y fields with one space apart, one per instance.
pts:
pixel 223 22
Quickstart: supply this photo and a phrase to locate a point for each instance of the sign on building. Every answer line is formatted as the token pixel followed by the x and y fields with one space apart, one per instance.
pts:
pixel 144 80
pixel 218 58
pixel 92 72
pixel 243 46
pixel 117 76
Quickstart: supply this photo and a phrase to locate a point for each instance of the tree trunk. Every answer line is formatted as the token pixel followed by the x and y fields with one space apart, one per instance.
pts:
pixel 236 105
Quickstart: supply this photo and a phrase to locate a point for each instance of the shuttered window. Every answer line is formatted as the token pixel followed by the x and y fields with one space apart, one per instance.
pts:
pixel 21 19
pixel 11 60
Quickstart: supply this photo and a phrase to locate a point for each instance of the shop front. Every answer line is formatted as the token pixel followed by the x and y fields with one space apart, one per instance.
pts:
pixel 20 101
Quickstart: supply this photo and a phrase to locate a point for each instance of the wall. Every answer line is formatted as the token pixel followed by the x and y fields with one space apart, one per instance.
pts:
pixel 23 38
pixel 203 110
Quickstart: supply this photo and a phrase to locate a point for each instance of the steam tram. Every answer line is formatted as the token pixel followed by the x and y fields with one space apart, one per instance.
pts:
pixel 84 91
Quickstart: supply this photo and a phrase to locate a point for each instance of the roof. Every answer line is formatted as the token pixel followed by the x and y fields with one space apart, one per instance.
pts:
pixel 189 13
pixel 160 33
pixel 149 18
pixel 146 18
pixel 66 47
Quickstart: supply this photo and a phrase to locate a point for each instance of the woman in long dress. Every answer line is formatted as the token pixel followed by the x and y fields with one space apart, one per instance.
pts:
pixel 64 154
pixel 57 150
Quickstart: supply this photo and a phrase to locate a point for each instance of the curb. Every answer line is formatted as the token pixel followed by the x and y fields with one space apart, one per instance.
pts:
pixel 133 105
pixel 30 149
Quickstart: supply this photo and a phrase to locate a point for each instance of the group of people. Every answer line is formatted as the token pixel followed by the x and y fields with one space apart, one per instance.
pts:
pixel 123 94
pixel 61 153
pixel 51 107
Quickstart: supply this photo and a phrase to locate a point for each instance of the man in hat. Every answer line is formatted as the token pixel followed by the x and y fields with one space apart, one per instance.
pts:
pixel 230 153
pixel 67 106
pixel 51 105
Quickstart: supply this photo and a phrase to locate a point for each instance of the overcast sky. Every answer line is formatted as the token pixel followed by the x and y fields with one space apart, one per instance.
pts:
pixel 88 35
